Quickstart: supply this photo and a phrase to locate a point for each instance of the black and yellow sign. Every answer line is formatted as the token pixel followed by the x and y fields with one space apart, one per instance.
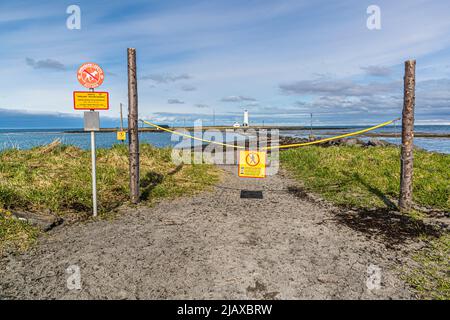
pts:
pixel 89 100
pixel 252 164
pixel 121 135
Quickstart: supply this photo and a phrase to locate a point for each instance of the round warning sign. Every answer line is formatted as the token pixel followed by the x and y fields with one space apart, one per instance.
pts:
pixel 252 159
pixel 90 75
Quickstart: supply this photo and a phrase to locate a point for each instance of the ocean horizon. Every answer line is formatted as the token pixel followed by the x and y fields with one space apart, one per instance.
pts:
pixel 26 138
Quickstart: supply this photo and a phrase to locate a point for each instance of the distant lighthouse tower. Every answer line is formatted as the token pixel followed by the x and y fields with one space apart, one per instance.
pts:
pixel 245 123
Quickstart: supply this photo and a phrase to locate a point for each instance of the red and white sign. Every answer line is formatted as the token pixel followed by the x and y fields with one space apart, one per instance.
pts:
pixel 90 75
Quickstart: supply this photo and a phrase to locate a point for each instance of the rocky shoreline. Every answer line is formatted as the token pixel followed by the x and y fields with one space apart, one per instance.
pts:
pixel 284 140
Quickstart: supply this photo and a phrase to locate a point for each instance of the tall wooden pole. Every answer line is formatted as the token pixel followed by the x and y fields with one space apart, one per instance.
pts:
pixel 121 118
pixel 406 174
pixel 133 136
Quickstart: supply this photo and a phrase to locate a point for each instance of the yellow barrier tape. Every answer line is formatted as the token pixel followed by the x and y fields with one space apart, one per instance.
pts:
pixel 276 147
pixel 332 138
pixel 192 137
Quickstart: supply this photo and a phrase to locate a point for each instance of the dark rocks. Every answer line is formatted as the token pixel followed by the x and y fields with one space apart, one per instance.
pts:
pixel 353 142
pixel 377 143
pixel 43 221
pixel 284 140
pixel 291 140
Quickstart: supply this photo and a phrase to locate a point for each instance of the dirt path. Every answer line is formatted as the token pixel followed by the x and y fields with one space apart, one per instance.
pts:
pixel 211 246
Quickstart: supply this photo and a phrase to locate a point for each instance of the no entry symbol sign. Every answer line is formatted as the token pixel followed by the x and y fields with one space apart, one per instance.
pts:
pixel 252 159
pixel 252 164
pixel 90 75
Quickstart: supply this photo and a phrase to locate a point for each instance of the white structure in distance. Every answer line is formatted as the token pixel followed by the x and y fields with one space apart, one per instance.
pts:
pixel 245 123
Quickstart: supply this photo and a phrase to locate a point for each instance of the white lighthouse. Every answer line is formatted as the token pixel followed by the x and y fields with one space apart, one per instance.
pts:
pixel 245 123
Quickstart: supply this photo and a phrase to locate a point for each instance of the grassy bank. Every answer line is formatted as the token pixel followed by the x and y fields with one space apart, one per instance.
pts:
pixel 58 179
pixel 368 179
pixel 431 276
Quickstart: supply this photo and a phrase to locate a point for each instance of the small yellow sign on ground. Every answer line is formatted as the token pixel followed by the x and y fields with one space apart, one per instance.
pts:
pixel 87 100
pixel 252 164
pixel 121 135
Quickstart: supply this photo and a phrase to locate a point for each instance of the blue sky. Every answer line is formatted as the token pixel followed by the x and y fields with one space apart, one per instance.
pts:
pixel 279 59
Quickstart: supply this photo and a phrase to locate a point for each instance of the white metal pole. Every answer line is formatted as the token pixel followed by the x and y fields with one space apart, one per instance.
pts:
pixel 94 175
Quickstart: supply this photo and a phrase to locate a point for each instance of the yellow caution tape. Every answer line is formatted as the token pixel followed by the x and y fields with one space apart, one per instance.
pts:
pixel 191 137
pixel 276 147
pixel 332 138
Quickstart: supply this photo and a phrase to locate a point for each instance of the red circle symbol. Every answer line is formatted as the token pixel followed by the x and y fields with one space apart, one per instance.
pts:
pixel 90 75
pixel 252 159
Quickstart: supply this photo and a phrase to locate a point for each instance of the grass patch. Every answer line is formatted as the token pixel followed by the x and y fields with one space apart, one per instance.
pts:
pixel 14 234
pixel 59 179
pixel 431 276
pixel 369 177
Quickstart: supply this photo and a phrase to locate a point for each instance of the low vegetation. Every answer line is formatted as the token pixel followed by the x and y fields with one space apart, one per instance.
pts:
pixel 431 276
pixel 14 234
pixel 57 179
pixel 368 179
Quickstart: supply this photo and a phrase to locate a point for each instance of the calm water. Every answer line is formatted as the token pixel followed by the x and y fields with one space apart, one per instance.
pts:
pixel 431 144
pixel 26 138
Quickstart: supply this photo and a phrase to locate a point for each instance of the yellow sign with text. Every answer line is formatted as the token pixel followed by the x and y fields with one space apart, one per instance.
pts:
pixel 121 135
pixel 89 100
pixel 252 164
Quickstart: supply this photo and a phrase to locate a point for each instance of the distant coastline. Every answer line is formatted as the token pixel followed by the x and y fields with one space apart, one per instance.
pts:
pixel 433 138
pixel 285 128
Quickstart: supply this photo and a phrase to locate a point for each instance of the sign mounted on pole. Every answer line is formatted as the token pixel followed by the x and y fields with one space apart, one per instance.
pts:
pixel 121 135
pixel 252 164
pixel 90 100
pixel 91 121
pixel 90 75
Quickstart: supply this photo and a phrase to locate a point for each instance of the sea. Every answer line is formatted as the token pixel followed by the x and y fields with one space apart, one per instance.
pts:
pixel 30 138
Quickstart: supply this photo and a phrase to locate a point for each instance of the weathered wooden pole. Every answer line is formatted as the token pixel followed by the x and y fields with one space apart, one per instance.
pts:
pixel 121 118
pixel 133 137
pixel 406 162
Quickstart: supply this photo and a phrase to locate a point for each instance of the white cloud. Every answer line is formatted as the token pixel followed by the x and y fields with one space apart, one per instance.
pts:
pixel 237 99
pixel 188 87
pixel 175 101
pixel 166 78
pixel 377 71
pixel 48 64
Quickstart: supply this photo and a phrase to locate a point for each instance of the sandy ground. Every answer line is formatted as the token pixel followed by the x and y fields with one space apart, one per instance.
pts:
pixel 214 245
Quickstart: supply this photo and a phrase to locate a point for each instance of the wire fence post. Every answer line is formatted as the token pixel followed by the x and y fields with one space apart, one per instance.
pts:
pixel 406 161
pixel 133 126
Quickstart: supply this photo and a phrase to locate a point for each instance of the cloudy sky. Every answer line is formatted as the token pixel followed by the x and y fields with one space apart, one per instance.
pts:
pixel 281 59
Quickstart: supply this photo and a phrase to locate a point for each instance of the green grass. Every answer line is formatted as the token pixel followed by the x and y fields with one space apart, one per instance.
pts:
pixel 431 276
pixel 14 234
pixel 59 179
pixel 369 177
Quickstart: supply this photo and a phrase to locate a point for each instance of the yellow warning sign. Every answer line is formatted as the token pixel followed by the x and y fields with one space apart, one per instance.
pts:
pixel 121 135
pixel 87 100
pixel 252 164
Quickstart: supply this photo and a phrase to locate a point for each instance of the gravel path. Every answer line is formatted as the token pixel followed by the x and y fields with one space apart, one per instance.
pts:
pixel 214 245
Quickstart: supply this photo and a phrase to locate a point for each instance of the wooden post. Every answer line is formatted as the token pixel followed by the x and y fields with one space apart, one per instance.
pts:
pixel 133 136
pixel 406 162
pixel 121 118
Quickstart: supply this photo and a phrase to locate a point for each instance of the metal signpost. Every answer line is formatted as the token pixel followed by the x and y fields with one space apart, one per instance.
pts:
pixel 90 75
pixel 92 124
